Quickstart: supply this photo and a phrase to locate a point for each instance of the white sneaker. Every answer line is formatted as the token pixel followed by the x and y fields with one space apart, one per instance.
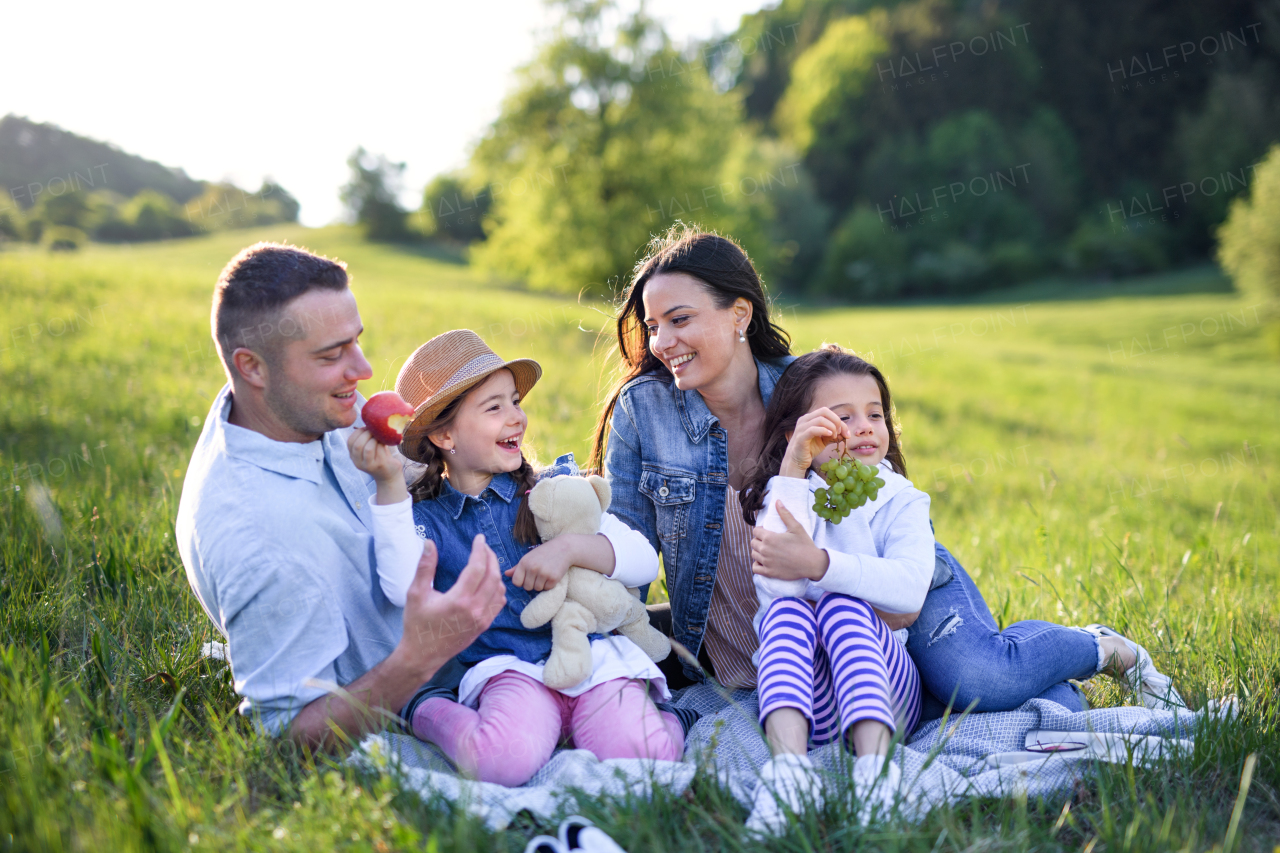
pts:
pixel 877 783
pixel 544 844
pixel 579 835
pixel 1153 687
pixel 789 785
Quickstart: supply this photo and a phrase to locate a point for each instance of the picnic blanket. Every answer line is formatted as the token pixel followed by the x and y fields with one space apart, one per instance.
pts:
pixel 945 764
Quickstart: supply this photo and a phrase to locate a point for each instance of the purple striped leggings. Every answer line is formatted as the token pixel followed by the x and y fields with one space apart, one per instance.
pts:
pixel 838 664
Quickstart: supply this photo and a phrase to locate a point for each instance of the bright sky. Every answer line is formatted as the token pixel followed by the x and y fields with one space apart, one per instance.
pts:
pixel 242 90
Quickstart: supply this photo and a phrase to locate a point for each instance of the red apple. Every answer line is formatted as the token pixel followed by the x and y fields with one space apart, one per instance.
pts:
pixel 386 414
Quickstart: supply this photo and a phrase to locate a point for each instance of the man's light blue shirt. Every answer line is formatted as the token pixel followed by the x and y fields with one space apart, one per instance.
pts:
pixel 277 541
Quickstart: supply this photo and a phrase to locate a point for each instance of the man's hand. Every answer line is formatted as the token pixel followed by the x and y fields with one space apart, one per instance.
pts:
pixel 383 463
pixel 787 556
pixel 438 625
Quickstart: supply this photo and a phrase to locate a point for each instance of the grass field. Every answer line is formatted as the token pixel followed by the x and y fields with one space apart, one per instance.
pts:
pixel 1093 454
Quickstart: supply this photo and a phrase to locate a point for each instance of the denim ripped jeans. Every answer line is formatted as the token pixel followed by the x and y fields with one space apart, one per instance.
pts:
pixel 963 656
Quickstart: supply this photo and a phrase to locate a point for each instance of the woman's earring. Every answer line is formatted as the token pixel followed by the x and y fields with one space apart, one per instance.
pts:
pixel 451 450
pixel 742 338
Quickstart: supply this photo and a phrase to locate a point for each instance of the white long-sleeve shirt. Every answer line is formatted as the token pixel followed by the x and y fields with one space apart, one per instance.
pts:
pixel 882 553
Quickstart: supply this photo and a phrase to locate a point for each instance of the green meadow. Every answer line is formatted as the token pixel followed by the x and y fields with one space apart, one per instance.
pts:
pixel 1094 452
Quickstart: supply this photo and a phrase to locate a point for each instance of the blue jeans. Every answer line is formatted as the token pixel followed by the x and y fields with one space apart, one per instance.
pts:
pixel 964 657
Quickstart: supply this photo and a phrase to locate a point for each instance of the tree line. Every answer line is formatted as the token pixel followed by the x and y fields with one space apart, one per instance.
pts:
pixel 873 149
pixel 61 189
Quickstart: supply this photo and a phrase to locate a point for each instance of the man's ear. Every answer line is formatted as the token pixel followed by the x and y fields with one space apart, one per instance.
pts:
pixel 603 492
pixel 251 367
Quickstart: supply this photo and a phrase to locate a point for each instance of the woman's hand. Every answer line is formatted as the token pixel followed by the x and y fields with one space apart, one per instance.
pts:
pixel 813 432
pixel 544 566
pixel 787 556
pixel 382 462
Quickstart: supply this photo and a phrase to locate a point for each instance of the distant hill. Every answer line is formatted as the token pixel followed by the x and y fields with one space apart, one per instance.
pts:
pixel 60 189
pixel 33 155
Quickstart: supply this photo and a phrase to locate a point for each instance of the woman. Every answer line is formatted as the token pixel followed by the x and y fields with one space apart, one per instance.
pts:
pixel 677 440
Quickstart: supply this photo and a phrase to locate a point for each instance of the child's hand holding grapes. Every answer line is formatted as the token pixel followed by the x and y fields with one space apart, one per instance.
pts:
pixel 813 432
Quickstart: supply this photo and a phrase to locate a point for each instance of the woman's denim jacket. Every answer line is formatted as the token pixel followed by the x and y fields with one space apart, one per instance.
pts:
pixel 668 463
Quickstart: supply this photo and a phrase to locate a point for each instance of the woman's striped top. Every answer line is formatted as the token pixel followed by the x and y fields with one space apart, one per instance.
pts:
pixel 730 638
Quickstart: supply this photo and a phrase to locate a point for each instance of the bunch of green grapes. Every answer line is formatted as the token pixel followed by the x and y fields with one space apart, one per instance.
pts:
pixel 850 484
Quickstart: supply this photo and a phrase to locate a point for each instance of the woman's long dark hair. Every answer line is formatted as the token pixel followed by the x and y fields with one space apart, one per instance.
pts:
pixel 431 483
pixel 793 397
pixel 720 264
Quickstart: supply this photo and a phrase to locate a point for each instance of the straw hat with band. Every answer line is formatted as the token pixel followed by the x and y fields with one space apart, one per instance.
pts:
pixel 443 369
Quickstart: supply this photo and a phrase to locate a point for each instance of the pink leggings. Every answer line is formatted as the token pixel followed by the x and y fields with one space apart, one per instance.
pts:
pixel 520 721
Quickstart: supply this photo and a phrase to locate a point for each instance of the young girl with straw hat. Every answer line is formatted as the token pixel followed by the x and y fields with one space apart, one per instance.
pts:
pixel 468 430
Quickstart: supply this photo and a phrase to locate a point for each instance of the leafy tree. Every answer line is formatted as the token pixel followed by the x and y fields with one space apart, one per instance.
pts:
pixel 155 216
pixel 370 196
pixel 768 203
pixel 835 71
pixel 863 260
pixel 1227 136
pixel 70 209
pixel 860 84
pixel 13 226
pixel 286 205
pixel 1108 248
pixel 454 210
pixel 225 206
pixel 107 220
pixel 1054 189
pixel 887 97
pixel 1249 241
pixel 968 204
pixel 758 58
pixel 100 213
pixel 608 133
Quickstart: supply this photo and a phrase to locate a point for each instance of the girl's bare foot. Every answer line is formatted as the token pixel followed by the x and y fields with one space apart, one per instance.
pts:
pixel 1135 668
pixel 1120 659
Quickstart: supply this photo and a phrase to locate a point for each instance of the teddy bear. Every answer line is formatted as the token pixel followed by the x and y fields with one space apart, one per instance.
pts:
pixel 583 602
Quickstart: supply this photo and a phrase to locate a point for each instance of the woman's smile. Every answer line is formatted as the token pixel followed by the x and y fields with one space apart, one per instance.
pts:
pixel 677 364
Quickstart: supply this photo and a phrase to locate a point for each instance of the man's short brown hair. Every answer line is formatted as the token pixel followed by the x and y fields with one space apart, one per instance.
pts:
pixel 251 294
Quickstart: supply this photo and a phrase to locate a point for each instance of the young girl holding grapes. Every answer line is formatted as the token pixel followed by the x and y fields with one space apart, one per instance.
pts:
pixel 824 574
pixel 828 665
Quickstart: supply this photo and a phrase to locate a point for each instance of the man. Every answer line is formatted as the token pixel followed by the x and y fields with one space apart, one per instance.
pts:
pixel 275 525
